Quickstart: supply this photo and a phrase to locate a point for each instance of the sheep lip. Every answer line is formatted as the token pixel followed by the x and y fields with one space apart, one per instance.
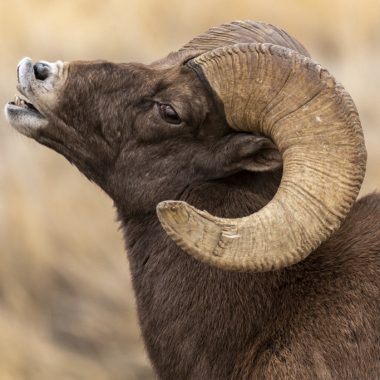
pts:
pixel 24 116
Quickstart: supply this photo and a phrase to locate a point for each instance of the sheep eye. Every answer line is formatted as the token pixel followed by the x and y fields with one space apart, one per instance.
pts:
pixel 169 114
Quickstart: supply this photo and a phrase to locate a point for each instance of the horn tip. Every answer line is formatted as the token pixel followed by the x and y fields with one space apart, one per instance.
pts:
pixel 172 212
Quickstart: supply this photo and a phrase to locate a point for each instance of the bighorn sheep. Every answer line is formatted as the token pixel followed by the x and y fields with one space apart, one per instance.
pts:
pixel 240 123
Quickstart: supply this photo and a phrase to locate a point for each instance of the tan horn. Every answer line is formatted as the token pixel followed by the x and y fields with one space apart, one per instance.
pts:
pixel 238 32
pixel 279 93
pixel 232 33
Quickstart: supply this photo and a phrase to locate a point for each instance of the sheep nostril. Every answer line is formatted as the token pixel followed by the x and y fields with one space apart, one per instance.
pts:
pixel 41 70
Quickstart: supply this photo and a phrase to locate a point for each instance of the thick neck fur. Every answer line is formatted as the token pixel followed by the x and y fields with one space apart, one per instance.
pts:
pixel 198 322
pixel 181 300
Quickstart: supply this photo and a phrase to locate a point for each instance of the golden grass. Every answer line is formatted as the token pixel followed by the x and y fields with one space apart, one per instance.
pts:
pixel 67 308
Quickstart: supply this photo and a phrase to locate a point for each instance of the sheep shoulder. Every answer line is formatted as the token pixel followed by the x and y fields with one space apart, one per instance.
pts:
pixel 327 320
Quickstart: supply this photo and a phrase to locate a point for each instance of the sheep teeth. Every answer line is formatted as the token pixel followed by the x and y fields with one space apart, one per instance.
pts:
pixel 20 102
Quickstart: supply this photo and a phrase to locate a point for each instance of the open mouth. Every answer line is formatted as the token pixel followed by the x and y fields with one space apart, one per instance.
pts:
pixel 24 116
pixel 21 102
pixel 21 113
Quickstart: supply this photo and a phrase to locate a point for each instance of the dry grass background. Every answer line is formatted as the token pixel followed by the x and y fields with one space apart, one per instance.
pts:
pixel 66 305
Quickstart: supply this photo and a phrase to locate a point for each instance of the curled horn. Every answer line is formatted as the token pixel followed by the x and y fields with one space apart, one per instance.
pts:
pixel 280 93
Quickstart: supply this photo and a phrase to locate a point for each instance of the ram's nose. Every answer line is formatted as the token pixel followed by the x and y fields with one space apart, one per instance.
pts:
pixel 41 79
pixel 42 70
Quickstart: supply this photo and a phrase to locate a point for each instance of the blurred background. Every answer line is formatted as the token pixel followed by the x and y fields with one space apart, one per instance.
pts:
pixel 67 310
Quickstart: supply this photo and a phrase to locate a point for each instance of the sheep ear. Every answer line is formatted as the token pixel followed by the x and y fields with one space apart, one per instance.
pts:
pixel 237 152
pixel 250 152
pixel 253 153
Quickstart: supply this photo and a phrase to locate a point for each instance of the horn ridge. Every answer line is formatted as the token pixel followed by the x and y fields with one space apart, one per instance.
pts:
pixel 243 31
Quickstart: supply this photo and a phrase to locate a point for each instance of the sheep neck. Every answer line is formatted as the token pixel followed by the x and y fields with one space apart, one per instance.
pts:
pixel 186 307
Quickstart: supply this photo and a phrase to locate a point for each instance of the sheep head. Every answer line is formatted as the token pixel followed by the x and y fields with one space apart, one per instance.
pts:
pixel 142 132
pixel 145 132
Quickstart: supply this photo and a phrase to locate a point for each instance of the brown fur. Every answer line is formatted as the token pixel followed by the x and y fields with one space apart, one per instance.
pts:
pixel 317 319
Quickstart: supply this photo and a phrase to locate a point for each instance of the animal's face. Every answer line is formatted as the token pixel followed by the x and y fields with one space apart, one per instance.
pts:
pixel 143 133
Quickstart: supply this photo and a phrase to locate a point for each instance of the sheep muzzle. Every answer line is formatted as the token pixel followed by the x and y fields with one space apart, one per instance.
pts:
pixel 38 86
